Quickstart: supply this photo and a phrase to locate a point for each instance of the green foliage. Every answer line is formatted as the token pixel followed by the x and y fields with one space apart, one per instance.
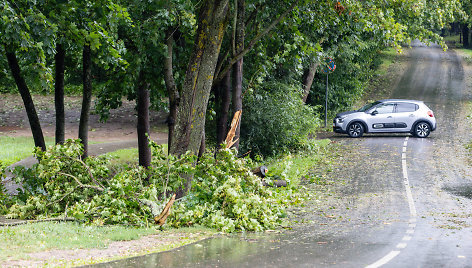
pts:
pixel 226 195
pixel 346 84
pixel 62 183
pixel 275 120
pixel 5 200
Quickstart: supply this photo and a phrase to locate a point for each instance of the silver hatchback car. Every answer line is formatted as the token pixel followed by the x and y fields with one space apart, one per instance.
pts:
pixel 387 116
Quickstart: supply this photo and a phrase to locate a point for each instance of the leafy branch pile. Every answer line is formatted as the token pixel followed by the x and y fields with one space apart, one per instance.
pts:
pixel 224 194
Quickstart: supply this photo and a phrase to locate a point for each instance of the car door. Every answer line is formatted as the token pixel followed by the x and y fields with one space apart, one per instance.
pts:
pixel 405 115
pixel 380 118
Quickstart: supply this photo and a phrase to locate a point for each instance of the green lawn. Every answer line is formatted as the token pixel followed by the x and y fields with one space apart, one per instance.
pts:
pixel 13 149
pixel 17 241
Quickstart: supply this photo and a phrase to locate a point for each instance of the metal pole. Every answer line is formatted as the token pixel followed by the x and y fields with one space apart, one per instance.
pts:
pixel 326 102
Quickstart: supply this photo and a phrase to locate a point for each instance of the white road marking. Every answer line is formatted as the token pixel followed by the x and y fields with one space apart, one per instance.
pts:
pixel 385 259
pixel 412 222
pixel 402 245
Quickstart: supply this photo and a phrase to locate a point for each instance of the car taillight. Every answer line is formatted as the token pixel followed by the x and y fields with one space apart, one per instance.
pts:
pixel 430 113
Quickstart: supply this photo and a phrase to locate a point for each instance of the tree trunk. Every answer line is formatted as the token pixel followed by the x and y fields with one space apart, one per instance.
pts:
pixel 201 151
pixel 143 121
pixel 86 98
pixel 465 35
pixel 308 77
pixel 190 121
pixel 223 92
pixel 27 100
pixel 59 94
pixel 238 66
pixel 172 90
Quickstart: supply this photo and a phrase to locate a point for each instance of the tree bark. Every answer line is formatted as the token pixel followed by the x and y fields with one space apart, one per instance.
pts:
pixel 171 87
pixel 143 121
pixel 86 97
pixel 59 94
pixel 190 121
pixel 223 98
pixel 238 66
pixel 465 35
pixel 308 77
pixel 27 100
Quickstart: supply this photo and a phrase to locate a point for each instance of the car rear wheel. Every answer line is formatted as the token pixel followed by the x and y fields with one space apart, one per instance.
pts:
pixel 355 130
pixel 422 130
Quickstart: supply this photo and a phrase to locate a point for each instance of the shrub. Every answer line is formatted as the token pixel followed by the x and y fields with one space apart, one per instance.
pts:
pixel 275 120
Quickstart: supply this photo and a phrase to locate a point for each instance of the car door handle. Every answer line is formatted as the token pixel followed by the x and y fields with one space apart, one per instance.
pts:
pixel 389 117
pixel 412 115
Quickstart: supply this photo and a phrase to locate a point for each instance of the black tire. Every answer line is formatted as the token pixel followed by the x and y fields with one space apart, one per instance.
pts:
pixel 422 130
pixel 355 130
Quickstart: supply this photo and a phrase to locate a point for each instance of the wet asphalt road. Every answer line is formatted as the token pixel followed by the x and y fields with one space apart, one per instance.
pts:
pixel 403 201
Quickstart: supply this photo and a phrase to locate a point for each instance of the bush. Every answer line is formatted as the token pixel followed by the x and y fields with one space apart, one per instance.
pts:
pixel 275 120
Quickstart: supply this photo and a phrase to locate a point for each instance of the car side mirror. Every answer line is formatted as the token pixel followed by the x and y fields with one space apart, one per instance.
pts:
pixel 374 112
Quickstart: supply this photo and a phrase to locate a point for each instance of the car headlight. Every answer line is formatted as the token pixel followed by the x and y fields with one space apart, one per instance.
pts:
pixel 340 120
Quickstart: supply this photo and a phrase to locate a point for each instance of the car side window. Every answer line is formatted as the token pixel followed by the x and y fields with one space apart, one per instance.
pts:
pixel 384 108
pixel 404 107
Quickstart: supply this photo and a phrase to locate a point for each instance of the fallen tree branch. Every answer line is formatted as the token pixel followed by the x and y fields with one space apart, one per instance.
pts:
pixel 81 184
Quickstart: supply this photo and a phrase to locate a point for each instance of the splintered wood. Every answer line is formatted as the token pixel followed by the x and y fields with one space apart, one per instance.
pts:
pixel 161 219
pixel 232 132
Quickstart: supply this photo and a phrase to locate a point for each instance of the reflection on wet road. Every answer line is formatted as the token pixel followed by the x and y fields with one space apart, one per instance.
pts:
pixel 369 216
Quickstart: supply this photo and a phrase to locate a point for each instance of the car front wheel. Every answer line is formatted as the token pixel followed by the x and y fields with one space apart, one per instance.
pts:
pixel 355 130
pixel 422 130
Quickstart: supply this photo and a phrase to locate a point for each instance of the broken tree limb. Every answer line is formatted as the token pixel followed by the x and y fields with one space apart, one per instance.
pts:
pixel 161 219
pixel 232 132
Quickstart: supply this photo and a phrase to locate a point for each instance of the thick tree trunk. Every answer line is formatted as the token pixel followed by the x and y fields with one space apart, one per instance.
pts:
pixel 172 90
pixel 465 35
pixel 238 66
pixel 223 92
pixel 308 77
pixel 27 100
pixel 143 121
pixel 86 97
pixel 59 94
pixel 190 121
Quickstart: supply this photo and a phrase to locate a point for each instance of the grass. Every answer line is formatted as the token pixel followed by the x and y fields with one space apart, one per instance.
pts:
pixel 294 166
pixel 388 58
pixel 13 149
pixel 126 156
pixel 17 241
pixel 466 54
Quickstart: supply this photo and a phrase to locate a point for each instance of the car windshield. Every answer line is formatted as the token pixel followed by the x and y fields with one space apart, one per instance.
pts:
pixel 368 106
